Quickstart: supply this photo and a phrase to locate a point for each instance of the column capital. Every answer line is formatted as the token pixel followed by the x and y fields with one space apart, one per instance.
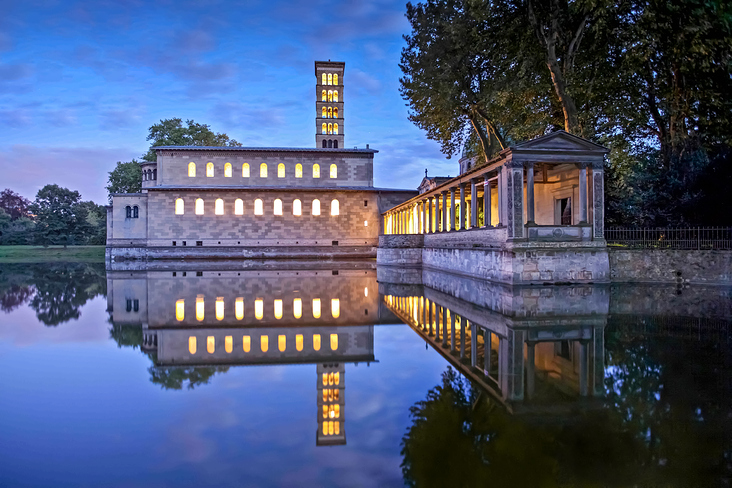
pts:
pixel 530 164
pixel 596 165
pixel 514 164
pixel 583 165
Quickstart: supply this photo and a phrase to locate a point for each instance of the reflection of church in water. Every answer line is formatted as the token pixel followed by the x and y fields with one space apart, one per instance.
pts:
pixel 222 317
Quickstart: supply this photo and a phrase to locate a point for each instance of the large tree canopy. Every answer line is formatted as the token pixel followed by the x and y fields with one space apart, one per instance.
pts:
pixel 171 132
pixel 125 178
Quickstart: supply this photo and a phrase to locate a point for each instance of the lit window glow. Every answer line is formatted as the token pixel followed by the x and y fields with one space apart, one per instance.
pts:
pixel 239 308
pixel 335 112
pixel 330 95
pixel 316 170
pixel 297 308
pixel 199 309
pixel 259 309
pixel 330 112
pixel 337 375
pixel 238 207
pixel 278 309
pixel 210 344
pixel 324 82
pixel 324 96
pixel 316 342
pixel 330 128
pixel 334 343
pixel 333 170
pixel 180 310
pixel 192 345
pixel 191 170
pixel 330 79
pixel 298 170
pixel 209 170
pixel 366 292
pixel 324 112
pixel 278 207
pixel 298 342
pixel 246 342
pixel 245 170
pixel 324 128
pixel 179 206
pixel 316 308
pixel 229 344
pixel 335 128
pixel 227 170
pixel 280 170
pixel 316 207
pixel 335 95
pixel 264 340
pixel 263 170
pixel 220 308
pixel 219 207
pixel 335 307
pixel 281 343
pixel 296 207
pixel 199 206
pixel 335 79
pixel 334 208
pixel 258 207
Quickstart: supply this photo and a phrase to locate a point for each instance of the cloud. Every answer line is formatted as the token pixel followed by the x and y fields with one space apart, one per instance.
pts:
pixel 15 118
pixel 14 72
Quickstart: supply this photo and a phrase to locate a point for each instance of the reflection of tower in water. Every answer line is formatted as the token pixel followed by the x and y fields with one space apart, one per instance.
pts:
pixel 331 404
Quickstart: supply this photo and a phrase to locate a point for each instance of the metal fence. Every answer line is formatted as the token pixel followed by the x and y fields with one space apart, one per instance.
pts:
pixel 670 237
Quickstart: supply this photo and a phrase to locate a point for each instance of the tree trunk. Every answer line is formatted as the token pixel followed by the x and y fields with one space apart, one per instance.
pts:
pixel 484 142
pixel 571 121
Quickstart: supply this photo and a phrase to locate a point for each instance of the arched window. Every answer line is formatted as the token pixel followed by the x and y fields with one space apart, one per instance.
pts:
pixel 192 345
pixel 227 170
pixel 219 207
pixel 334 208
pixel 330 112
pixel 335 308
pixel 330 143
pixel 209 170
pixel 335 144
pixel 191 170
pixel 258 207
pixel 325 112
pixel 245 170
pixel 324 98
pixel 296 207
pixel 316 207
pixel 128 212
pixel 335 112
pixel 335 128
pixel 135 212
pixel 316 170
pixel 281 170
pixel 330 79
pixel 238 207
pixel 155 174
pixel 199 206
pixel 263 170
pixel 298 170
pixel 335 79
pixel 325 82
pixel 335 96
pixel 179 206
pixel 330 95
pixel 278 207
pixel 330 128
pixel 325 144
pixel 324 128
pixel 333 171
pixel 144 176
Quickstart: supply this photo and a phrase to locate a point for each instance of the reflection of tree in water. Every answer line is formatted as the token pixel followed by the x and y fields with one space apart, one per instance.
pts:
pixel 56 291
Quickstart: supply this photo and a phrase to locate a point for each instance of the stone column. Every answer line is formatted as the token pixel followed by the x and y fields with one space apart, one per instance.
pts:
pixel 530 208
pixel 473 205
pixel 598 201
pixel 530 363
pixel 486 202
pixel 598 356
pixel 473 346
pixel 486 352
pixel 452 208
pixel 515 200
pixel 452 332
pixel 444 325
pixel 444 211
pixel 515 365
pixel 583 193
pixel 423 217
pixel 583 367
pixel 433 215
pixel 428 226
pixel 463 206
pixel 501 204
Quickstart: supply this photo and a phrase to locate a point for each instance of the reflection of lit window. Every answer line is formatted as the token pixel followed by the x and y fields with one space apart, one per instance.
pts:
pixel 335 131
pixel 330 112
pixel 325 428
pixel 324 128
pixel 330 379
pixel 180 310
pixel 281 343
pixel 245 170
pixel 336 394
pixel 297 207
pixel 220 308
pixel 229 344
pixel 239 308
pixel 210 344
pixel 316 170
pixel 199 206
pixel 335 112
pixel 280 170
pixel 278 207
pixel 333 170
pixel 330 95
pixel 238 207
pixel 335 307
pixel 316 342
pixel 179 207
pixel 366 292
pixel 227 170
pixel 278 309
pixel 265 343
pixel 335 96
pixel 324 112
pixel 337 375
pixel 335 208
pixel 324 96
pixel 258 207
pixel 259 308
pixel 263 170
pixel 316 308
pixel 330 128
pixel 337 428
pixel 192 345
pixel 325 411
pixel 298 342
pixel 199 309
pixel 297 308
pixel 209 170
pixel 330 428
pixel 246 343
pixel 325 379
pixel 334 342
pixel 191 170
pixel 219 207
pixel 316 207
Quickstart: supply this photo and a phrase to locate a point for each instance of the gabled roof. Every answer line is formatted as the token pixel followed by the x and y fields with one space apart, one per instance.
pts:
pixel 562 141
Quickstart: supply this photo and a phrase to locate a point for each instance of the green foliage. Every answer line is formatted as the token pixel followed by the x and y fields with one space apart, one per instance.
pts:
pixel 125 178
pixel 171 132
pixel 14 205
pixel 60 219
pixel 177 377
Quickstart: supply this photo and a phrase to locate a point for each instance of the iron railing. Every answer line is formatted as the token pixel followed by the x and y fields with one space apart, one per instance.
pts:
pixel 670 237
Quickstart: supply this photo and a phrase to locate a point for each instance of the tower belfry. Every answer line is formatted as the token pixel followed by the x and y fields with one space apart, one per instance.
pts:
pixel 329 104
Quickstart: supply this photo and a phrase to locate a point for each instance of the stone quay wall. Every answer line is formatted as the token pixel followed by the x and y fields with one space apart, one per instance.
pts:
pixel 670 266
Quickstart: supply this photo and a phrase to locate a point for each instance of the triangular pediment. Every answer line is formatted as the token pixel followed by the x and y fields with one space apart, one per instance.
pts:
pixel 560 141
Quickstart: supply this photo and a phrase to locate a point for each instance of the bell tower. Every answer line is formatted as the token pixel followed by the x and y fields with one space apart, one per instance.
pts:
pixel 329 127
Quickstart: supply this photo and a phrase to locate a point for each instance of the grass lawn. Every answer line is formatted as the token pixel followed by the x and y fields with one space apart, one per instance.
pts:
pixel 36 254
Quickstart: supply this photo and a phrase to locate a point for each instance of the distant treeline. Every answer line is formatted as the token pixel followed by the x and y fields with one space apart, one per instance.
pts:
pixel 57 216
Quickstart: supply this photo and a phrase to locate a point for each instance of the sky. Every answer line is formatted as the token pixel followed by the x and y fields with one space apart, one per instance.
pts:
pixel 81 83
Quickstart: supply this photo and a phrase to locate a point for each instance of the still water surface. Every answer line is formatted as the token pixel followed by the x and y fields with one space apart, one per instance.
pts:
pixel 344 375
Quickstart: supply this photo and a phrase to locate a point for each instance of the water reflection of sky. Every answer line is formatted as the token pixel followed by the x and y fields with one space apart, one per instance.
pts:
pixel 75 410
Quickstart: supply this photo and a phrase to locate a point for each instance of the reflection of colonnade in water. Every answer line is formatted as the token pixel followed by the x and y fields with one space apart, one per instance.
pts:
pixel 245 318
pixel 517 343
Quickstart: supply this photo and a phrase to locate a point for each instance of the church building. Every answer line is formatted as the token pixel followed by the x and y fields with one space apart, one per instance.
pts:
pixel 258 202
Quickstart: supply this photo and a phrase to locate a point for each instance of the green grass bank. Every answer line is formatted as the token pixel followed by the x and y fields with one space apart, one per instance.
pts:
pixel 36 254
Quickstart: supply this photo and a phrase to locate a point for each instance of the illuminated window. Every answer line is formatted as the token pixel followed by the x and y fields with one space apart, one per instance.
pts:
pixel 316 207
pixel 324 78
pixel 336 395
pixel 264 341
pixel 227 170
pixel 191 170
pixel 229 344
pixel 220 308
pixel 330 112
pixel 259 308
pixel 199 309
pixel 335 96
pixel 316 308
pixel 325 379
pixel 199 206
pixel 335 112
pixel 330 95
pixel 246 342
pixel 278 207
pixel 298 170
pixel 333 171
pixel 219 207
pixel 298 342
pixel 325 411
pixel 334 207
pixel 316 342
pixel 330 79
pixel 337 375
pixel 337 428
pixel 180 310
pixel 330 128
pixel 179 206
pixel 316 170
pixel 335 79
pixel 324 97
pixel 335 307
pixel 280 170
pixel 258 207
pixel 297 307
pixel 209 170
pixel 330 428
pixel 334 343
pixel 296 207
pixel 281 343
pixel 365 292
pixel 335 128
pixel 239 308
pixel 278 309
pixel 192 345
pixel 238 207
pixel 263 170
pixel 325 112
pixel 210 344
pixel 245 170
pixel 324 128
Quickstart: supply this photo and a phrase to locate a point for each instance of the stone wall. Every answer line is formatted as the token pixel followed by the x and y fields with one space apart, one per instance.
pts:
pixel 670 266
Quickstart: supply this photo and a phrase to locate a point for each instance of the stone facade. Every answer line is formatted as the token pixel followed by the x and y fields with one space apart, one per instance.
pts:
pixel 670 266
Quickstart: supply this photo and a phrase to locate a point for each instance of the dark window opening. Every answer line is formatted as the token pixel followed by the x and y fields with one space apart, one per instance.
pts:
pixel 335 243
pixel 128 212
pixel 174 273
pixel 565 211
pixel 365 203
pixel 129 306
pixel 155 177
pixel 199 273
pixel 184 243
pixel 199 243
pixel 330 144
pixel 335 273
pixel 335 144
pixel 563 349
pixel 184 273
pixel 325 144
pixel 366 311
pixel 175 243
pixel 135 212
pixel 136 305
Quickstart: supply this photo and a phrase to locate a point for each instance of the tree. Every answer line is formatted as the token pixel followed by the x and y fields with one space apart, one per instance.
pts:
pixel 15 232
pixel 125 178
pixel 14 205
pixel 171 132
pixel 59 217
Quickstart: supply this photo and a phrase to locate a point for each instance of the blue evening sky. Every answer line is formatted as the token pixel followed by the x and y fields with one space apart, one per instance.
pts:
pixel 81 82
